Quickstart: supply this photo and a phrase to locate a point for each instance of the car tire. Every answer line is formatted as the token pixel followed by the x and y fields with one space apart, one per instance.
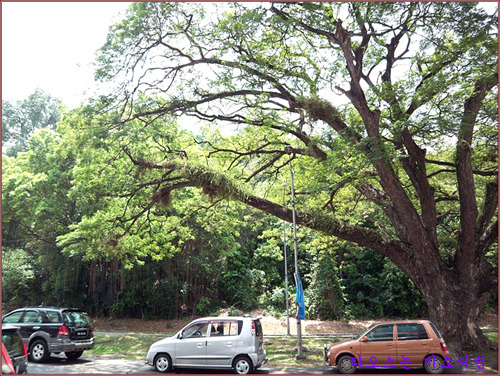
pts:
pixel 435 368
pixel 73 355
pixel 163 363
pixel 242 365
pixel 345 365
pixel 39 351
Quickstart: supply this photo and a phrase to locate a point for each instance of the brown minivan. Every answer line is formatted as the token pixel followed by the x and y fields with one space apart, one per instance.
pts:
pixel 389 345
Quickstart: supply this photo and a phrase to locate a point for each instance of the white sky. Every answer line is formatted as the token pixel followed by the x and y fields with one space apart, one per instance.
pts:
pixel 52 45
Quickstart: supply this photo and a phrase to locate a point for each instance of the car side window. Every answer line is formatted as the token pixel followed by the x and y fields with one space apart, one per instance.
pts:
pixel 32 317
pixel 13 318
pixel 408 332
pixel 198 330
pixel 224 328
pixel 436 331
pixel 54 316
pixel 380 333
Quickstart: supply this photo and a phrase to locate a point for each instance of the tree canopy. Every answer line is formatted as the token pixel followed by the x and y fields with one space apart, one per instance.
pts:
pixel 21 118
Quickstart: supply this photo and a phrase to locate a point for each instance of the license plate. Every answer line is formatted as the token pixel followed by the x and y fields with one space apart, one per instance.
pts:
pixel 81 333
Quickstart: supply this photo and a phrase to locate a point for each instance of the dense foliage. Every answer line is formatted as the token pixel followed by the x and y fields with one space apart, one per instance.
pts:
pixel 190 257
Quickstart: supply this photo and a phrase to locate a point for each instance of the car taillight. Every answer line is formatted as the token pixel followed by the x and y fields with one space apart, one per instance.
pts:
pixel 443 346
pixel 25 349
pixel 253 327
pixel 63 331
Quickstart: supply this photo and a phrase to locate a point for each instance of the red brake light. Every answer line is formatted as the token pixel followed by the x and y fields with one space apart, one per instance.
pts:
pixel 25 349
pixel 443 346
pixel 63 331
pixel 253 327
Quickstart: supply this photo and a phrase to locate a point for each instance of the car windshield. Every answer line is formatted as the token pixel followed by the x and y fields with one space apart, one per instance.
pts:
pixel 363 333
pixel 76 317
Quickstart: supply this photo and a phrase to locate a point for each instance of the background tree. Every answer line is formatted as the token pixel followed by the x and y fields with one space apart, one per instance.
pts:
pixel 35 210
pixel 21 118
pixel 382 102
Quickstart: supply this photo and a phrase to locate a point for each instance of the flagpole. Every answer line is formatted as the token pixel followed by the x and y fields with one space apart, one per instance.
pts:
pixel 288 149
pixel 286 269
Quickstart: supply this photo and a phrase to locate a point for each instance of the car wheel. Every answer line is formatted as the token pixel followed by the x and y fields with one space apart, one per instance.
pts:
pixel 72 355
pixel 435 365
pixel 242 365
pixel 163 363
pixel 345 365
pixel 39 352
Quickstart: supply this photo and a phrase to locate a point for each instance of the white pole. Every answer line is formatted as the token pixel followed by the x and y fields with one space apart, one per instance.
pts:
pixel 299 323
pixel 286 269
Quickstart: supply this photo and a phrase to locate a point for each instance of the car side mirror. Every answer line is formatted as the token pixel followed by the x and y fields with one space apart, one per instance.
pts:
pixel 179 336
pixel 363 339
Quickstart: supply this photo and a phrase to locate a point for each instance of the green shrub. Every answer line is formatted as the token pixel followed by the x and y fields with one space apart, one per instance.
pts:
pixel 233 311
pixel 203 306
pixel 17 276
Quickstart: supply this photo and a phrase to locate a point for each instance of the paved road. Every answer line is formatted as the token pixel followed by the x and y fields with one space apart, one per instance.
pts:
pixel 58 364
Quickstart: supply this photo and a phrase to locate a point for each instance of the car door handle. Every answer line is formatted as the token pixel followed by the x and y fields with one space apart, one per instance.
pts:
pixel 36 327
pixel 390 344
pixel 199 345
pixel 229 344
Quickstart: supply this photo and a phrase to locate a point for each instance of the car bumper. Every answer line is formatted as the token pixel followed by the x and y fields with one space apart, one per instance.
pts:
pixel 258 359
pixel 149 358
pixel 326 355
pixel 68 345
pixel 20 364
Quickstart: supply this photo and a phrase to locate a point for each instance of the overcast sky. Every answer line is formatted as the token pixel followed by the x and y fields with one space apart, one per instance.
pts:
pixel 52 45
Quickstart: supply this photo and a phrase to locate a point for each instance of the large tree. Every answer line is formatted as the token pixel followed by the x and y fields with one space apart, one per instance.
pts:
pixel 390 109
pixel 21 118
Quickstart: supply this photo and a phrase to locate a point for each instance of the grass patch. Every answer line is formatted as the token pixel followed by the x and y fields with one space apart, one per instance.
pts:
pixel 122 346
pixel 492 336
pixel 283 351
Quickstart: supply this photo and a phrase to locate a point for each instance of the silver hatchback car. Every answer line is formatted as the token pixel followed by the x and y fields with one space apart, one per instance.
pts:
pixel 212 342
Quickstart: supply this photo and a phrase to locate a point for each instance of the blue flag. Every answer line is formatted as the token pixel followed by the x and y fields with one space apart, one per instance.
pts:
pixel 301 311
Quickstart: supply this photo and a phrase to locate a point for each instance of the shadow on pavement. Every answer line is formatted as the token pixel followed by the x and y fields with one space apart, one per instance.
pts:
pixel 213 371
pixel 63 361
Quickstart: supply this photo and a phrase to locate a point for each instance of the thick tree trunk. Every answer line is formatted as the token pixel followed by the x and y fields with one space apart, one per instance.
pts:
pixel 457 318
pixel 455 299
